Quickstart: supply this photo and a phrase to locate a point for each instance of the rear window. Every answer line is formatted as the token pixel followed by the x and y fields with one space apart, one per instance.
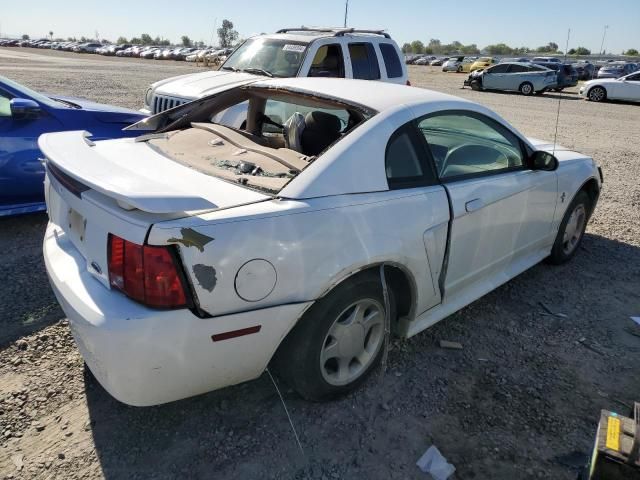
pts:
pixel 391 60
pixel 364 61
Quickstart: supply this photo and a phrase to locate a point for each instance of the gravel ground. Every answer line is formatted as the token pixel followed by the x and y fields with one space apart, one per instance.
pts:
pixel 521 400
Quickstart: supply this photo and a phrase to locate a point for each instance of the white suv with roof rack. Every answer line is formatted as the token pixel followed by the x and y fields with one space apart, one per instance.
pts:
pixel 290 52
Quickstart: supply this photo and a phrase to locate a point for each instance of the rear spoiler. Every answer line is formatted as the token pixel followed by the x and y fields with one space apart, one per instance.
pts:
pixel 73 154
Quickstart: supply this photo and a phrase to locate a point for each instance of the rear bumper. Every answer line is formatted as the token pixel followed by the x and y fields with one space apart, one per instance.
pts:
pixel 147 357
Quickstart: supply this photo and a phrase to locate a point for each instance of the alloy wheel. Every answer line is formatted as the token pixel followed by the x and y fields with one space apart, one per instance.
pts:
pixel 574 229
pixel 596 94
pixel 353 342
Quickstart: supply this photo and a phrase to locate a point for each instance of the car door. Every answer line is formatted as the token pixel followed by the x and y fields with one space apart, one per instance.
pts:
pixel 628 88
pixel 494 77
pixel 502 211
pixel 21 172
pixel 326 60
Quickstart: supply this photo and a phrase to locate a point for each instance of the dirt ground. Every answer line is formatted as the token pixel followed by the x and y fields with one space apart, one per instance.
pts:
pixel 520 400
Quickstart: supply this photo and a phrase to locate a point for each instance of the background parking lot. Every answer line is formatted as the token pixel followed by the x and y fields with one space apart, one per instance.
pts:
pixel 542 354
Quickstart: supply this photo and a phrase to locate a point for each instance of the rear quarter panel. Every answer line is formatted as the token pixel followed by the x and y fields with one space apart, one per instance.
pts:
pixel 312 244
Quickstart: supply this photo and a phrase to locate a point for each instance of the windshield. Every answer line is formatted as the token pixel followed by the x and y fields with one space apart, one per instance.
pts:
pixel 280 58
pixel 38 97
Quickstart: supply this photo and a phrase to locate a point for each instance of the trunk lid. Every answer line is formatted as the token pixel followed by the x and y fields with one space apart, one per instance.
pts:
pixel 137 177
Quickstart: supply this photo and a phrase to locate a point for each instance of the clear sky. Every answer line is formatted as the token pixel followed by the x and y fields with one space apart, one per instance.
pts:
pixel 515 22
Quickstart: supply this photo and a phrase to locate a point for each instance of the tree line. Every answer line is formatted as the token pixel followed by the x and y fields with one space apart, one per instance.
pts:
pixel 227 37
pixel 436 47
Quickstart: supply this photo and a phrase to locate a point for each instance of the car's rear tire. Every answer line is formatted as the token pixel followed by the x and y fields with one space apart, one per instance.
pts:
pixel 597 94
pixel 571 230
pixel 338 342
pixel 459 69
pixel 526 88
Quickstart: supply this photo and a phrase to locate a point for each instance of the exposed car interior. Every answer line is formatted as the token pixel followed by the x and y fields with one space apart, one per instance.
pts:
pixel 267 152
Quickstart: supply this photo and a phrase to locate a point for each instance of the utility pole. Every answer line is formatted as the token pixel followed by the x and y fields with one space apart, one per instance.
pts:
pixel 346 13
pixel 604 34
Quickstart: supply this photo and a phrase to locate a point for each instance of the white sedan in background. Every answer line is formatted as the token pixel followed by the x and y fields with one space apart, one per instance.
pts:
pixel 623 88
pixel 191 257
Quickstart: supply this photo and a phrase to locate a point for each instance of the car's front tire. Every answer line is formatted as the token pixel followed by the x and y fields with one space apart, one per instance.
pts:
pixel 597 94
pixel 526 88
pixel 475 85
pixel 338 342
pixel 571 230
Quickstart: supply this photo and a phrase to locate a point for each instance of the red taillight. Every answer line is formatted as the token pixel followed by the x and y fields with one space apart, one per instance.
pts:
pixel 145 273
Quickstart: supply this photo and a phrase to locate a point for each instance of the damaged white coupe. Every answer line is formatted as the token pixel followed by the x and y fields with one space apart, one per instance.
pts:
pixel 194 256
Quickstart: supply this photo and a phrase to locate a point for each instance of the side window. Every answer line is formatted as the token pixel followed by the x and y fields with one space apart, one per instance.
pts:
pixel 391 60
pixel 402 161
pixel 364 61
pixel 5 107
pixel 466 144
pixel 500 68
pixel 328 62
pixel 514 68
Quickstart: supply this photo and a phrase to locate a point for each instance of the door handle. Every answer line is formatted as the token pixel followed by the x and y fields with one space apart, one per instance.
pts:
pixel 473 205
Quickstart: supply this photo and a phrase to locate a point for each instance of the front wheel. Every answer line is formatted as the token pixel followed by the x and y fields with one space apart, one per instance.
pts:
pixel 571 230
pixel 597 94
pixel 338 342
pixel 475 85
pixel 459 69
pixel 526 88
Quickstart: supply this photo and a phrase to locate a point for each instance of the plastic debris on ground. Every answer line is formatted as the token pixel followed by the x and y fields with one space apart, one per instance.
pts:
pixel 433 463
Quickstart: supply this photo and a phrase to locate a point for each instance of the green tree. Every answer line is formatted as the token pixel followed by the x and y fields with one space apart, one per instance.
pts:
pixel 406 48
pixel 470 49
pixel 582 51
pixel 122 40
pixel 186 41
pixel 146 39
pixel 435 45
pixel 417 46
pixel 632 52
pixel 25 37
pixel 226 34
pixel 135 41
pixel 50 34
pixel 550 47
pixel 499 49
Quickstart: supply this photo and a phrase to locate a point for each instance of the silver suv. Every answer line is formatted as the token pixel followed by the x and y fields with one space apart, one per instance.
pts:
pixel 290 52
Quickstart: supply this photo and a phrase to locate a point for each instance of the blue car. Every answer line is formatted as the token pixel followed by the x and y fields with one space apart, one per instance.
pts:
pixel 24 116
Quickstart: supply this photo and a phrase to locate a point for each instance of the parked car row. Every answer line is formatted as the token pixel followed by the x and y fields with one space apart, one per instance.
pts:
pixel 211 54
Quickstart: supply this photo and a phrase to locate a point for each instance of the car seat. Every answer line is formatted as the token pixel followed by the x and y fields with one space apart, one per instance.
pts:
pixel 321 130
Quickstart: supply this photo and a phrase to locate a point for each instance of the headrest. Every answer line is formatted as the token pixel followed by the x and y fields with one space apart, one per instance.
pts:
pixel 318 120
pixel 330 62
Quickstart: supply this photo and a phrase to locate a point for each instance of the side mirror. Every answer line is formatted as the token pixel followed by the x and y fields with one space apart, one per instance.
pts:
pixel 543 161
pixel 23 108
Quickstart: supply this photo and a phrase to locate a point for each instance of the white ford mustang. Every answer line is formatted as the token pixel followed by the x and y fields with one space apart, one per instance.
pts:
pixel 191 257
